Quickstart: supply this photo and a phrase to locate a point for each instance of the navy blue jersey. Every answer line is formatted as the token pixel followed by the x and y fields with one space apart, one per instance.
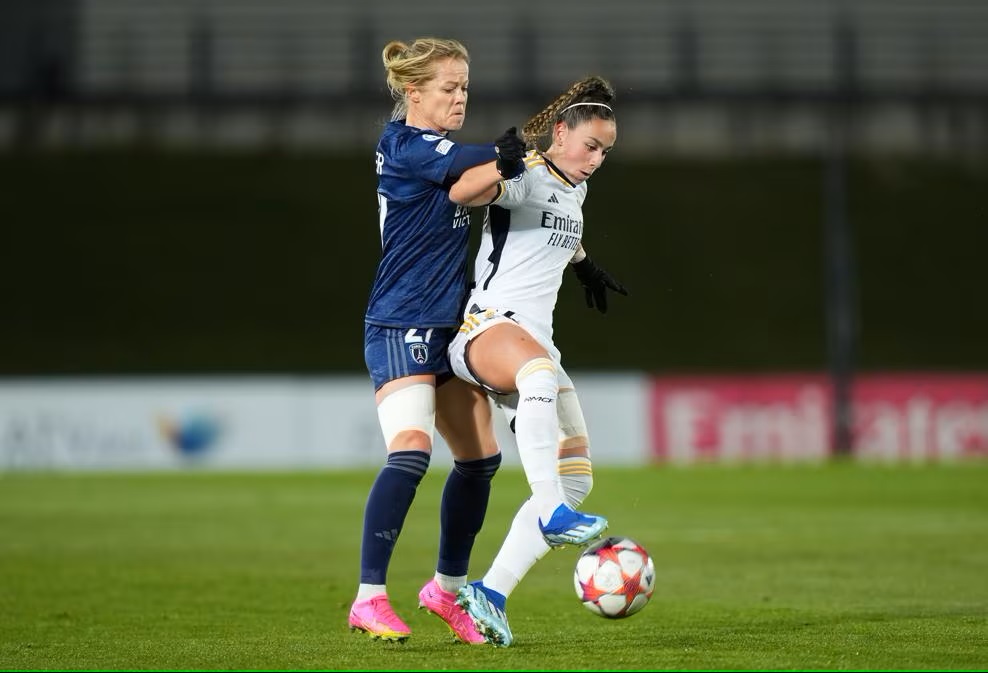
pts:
pixel 421 278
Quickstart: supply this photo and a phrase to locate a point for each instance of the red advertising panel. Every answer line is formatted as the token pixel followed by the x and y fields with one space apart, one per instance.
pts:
pixel 920 417
pixel 788 417
pixel 740 418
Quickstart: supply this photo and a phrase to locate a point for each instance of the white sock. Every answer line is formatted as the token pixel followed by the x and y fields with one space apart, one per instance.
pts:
pixel 546 498
pixel 537 432
pixel 450 583
pixel 524 545
pixel 367 591
pixel 522 548
pixel 576 479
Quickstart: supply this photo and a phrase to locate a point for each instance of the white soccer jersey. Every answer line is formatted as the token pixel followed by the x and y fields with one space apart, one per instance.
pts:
pixel 531 230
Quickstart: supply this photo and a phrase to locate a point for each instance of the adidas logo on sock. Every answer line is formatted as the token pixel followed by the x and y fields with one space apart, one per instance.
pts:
pixel 553 199
pixel 389 535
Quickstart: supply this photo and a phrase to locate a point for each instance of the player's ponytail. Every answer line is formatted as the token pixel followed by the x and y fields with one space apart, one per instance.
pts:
pixel 590 98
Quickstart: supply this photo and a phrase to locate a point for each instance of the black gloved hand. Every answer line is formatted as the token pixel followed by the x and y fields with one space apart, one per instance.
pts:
pixel 596 282
pixel 510 154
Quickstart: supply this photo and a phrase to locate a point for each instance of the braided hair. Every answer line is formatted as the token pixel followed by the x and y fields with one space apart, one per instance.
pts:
pixel 588 99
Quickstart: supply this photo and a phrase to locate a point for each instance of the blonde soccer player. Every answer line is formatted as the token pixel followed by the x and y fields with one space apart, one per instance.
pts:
pixel 413 311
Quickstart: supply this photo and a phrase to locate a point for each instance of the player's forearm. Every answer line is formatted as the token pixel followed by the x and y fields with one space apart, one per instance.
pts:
pixel 477 186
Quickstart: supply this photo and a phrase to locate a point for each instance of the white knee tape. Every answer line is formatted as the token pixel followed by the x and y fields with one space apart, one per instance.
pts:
pixel 409 408
pixel 571 421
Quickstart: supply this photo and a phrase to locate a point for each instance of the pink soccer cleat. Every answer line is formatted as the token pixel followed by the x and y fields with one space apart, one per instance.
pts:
pixel 443 605
pixel 376 618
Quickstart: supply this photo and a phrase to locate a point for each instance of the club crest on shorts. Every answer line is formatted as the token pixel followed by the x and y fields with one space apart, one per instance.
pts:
pixel 418 344
pixel 419 353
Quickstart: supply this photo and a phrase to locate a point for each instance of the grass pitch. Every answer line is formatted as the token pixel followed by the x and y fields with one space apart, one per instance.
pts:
pixel 839 567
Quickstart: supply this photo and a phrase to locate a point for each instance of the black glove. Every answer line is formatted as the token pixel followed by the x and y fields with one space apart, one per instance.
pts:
pixel 596 282
pixel 510 154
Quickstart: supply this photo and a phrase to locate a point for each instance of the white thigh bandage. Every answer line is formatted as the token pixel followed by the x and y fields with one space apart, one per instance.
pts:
pixel 410 408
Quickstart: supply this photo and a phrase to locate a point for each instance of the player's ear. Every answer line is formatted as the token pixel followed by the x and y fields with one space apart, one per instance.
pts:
pixel 559 131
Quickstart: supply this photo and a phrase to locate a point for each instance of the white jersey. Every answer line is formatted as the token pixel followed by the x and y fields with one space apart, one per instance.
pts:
pixel 531 231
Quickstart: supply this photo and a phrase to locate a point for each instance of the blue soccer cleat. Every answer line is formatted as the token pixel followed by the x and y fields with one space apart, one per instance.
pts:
pixel 567 526
pixel 486 608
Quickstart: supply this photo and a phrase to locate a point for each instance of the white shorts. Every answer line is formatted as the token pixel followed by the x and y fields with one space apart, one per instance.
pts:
pixel 477 323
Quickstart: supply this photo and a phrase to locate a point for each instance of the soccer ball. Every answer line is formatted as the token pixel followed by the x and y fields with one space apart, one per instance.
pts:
pixel 614 577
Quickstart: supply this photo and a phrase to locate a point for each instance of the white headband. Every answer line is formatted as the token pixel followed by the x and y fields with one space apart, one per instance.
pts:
pixel 575 104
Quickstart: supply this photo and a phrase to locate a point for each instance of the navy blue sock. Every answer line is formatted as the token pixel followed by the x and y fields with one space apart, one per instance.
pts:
pixel 464 506
pixel 388 503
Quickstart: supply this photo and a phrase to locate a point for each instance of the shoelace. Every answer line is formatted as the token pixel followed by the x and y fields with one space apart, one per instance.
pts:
pixel 385 611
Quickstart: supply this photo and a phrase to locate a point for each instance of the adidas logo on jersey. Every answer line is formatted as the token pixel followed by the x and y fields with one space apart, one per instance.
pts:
pixel 553 199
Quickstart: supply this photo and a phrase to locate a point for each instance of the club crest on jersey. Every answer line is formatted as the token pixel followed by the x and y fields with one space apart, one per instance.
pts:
pixel 419 353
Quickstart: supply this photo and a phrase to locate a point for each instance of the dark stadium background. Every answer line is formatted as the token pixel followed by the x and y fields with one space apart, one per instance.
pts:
pixel 188 188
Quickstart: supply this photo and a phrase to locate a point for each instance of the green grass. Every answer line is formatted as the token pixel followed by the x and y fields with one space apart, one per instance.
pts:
pixel 836 567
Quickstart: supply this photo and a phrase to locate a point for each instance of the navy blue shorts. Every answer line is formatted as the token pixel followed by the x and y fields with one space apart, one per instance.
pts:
pixel 394 352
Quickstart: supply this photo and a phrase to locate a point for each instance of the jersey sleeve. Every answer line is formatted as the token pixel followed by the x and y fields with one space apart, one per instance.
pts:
pixel 430 156
pixel 512 193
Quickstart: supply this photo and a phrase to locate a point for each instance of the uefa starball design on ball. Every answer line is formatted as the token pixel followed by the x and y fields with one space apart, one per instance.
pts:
pixel 614 577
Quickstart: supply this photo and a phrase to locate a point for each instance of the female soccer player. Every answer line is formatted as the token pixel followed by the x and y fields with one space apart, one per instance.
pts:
pixel 533 231
pixel 413 312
